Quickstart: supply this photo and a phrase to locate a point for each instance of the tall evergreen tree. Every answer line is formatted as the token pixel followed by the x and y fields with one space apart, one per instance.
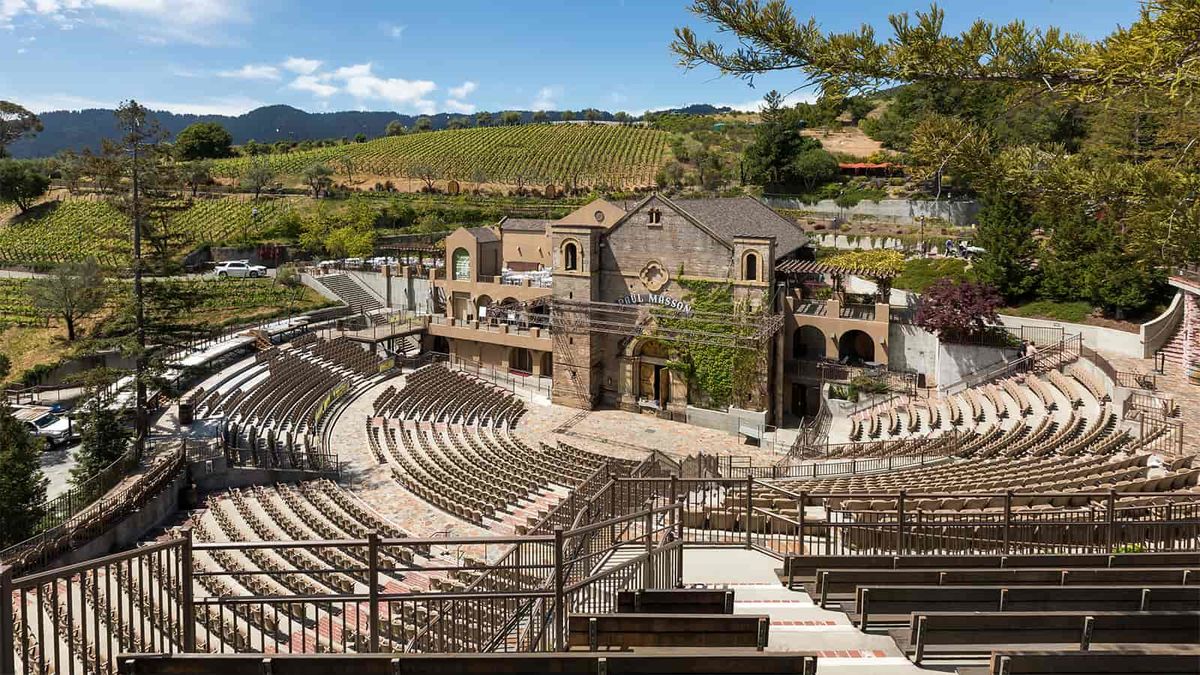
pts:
pixel 103 440
pixel 1005 232
pixel 22 485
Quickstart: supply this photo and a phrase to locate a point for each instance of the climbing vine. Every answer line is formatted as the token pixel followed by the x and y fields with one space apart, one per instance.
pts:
pixel 720 375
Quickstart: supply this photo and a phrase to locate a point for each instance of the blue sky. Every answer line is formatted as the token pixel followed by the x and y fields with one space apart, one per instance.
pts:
pixel 229 56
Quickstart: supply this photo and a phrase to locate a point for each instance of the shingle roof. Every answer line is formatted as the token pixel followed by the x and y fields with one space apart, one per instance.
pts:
pixel 745 217
pixel 524 224
pixel 483 234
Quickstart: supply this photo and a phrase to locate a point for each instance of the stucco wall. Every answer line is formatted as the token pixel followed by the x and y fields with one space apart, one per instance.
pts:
pixel 1097 337
pixel 912 348
pixel 956 361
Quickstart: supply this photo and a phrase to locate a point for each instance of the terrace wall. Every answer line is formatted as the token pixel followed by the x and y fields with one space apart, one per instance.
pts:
pixel 900 211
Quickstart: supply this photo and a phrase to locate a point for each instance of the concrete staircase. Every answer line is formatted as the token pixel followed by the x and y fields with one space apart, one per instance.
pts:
pixel 357 298
pixel 1173 350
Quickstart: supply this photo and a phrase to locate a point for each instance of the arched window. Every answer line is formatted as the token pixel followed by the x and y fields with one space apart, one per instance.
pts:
pixel 460 265
pixel 571 257
pixel 750 272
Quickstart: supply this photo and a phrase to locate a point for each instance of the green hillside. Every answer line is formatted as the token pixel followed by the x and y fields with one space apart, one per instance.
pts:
pixel 74 229
pixel 533 154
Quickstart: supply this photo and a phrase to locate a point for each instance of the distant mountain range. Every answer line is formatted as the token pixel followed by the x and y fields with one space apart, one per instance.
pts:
pixel 76 130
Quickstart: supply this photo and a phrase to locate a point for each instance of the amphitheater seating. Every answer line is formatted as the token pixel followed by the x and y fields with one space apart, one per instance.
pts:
pixel 675 601
pixel 447 438
pixel 624 631
pixel 271 407
pixel 880 604
pixel 978 633
pixel 1161 660
pixel 577 663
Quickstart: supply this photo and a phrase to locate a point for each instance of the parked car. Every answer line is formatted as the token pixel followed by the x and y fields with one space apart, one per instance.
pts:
pixel 42 422
pixel 239 268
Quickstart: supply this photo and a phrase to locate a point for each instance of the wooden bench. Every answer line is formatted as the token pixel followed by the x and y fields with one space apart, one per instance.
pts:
pixel 677 601
pixel 804 568
pixel 959 633
pixel 701 662
pixel 1162 660
pixel 895 604
pixel 841 584
pixel 625 631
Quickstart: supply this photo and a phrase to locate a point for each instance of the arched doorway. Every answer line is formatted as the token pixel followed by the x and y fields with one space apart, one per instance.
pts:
pixel 460 265
pixel 441 345
pixel 521 360
pixel 481 306
pixel 808 342
pixel 654 376
pixel 855 346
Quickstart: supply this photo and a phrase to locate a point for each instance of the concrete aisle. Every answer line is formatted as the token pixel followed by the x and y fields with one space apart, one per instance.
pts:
pixel 796 623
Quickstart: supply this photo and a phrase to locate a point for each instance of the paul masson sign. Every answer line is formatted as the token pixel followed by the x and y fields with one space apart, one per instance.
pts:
pixel 655 299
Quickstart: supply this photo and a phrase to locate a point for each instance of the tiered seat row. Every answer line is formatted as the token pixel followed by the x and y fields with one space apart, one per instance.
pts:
pixel 435 393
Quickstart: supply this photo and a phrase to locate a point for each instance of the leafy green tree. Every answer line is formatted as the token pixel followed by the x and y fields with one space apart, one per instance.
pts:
pixel 394 128
pixel 22 484
pixel 483 118
pixel 1005 232
pixel 458 122
pixel 72 292
pixel 360 137
pixel 258 176
pixel 22 183
pixel 203 140
pixel 5 367
pixel 71 169
pixel 591 115
pixel 198 173
pixel 318 177
pixel 566 116
pixel 288 276
pixel 540 117
pixel 812 168
pixel 423 124
pixel 621 116
pixel 15 123
pixel 510 118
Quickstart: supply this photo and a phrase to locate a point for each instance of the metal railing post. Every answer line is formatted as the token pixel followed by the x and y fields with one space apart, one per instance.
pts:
pixel 186 593
pixel 679 537
pixel 1111 517
pixel 800 517
pixel 648 565
pixel 373 589
pixel 900 524
pixel 749 509
pixel 560 600
pixel 1008 500
pixel 7 638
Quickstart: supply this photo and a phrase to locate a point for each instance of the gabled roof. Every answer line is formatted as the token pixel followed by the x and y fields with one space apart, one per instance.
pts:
pixel 700 225
pixel 745 217
pixel 524 225
pixel 586 215
pixel 483 235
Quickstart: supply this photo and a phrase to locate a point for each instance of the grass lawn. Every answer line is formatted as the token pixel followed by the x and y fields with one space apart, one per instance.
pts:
pixel 920 273
pixel 1073 312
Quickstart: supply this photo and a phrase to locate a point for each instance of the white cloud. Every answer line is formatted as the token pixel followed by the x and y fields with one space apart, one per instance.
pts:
pixel 789 100
pixel 396 32
pixel 232 106
pixel 456 106
pixel 360 81
pixel 547 98
pixel 313 85
pixel 463 90
pixel 302 66
pixel 157 21
pixel 41 104
pixel 252 71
